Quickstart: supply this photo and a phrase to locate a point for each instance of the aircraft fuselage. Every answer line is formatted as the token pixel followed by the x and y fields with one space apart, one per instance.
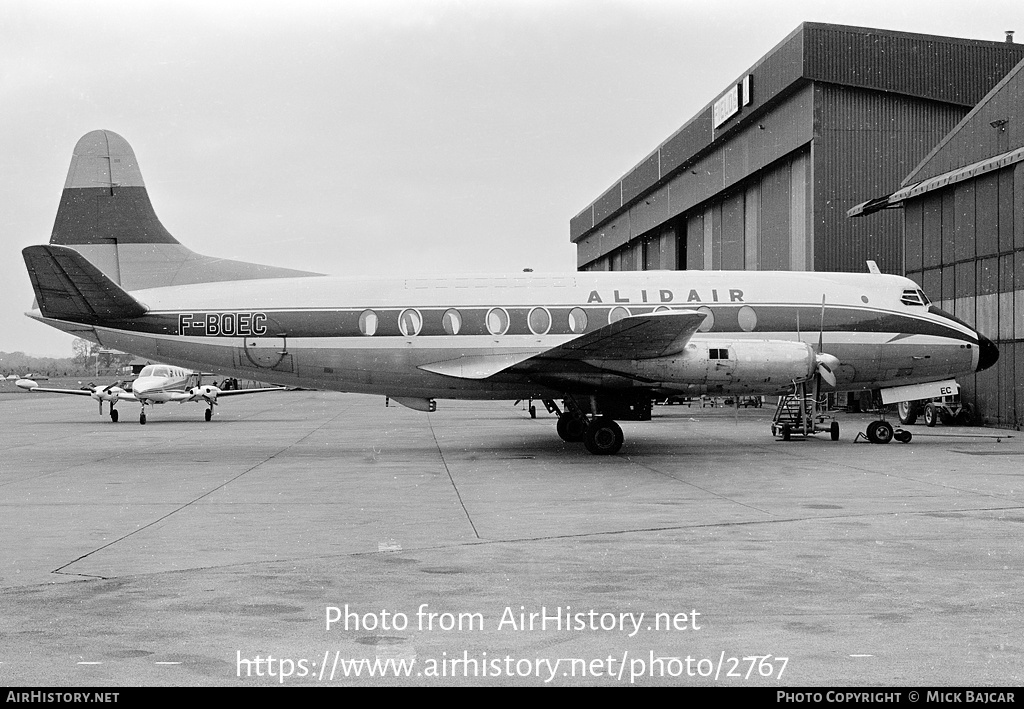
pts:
pixel 402 335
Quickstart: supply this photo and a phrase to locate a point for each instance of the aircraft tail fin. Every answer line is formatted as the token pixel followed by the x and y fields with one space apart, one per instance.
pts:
pixel 69 287
pixel 106 215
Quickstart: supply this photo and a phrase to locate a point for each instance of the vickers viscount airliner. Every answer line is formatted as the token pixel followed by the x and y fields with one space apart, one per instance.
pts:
pixel 605 344
pixel 156 384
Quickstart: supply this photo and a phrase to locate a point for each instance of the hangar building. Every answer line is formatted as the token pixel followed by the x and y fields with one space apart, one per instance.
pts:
pixel 763 176
pixel 963 226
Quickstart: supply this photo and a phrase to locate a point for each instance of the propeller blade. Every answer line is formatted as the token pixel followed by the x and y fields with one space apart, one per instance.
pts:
pixel 821 327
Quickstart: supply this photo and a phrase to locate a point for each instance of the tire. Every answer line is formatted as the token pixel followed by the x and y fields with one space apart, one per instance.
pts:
pixel 931 415
pixel 904 436
pixel 209 414
pixel 571 429
pixel 945 417
pixel 833 430
pixel 908 412
pixel 142 419
pixel 533 412
pixel 786 432
pixel 113 415
pixel 604 437
pixel 880 432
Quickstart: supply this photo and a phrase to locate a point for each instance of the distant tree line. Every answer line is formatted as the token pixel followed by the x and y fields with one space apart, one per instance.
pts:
pixel 87 359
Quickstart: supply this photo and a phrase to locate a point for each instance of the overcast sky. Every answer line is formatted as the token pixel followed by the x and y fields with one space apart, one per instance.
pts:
pixel 401 137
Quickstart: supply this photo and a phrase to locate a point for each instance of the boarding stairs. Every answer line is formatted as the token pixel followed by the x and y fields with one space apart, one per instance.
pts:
pixel 802 413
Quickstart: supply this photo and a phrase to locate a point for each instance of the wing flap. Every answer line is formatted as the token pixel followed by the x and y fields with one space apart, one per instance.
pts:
pixel 69 287
pixel 476 366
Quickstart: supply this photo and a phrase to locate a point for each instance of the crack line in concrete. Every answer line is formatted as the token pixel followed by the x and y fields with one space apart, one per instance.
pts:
pixel 451 479
pixel 60 569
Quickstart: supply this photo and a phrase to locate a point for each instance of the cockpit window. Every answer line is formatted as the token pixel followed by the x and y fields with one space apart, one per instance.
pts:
pixel 147 371
pixel 915 297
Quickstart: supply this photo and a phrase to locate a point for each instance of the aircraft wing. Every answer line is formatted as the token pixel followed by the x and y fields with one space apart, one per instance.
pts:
pixel 30 385
pixel 634 337
pixel 204 392
pixel 236 392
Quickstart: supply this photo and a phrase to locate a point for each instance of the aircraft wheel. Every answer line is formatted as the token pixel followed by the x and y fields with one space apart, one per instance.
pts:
pixel 604 437
pixel 533 412
pixel 908 411
pixel 113 415
pixel 142 418
pixel 833 430
pixel 571 429
pixel 904 436
pixel 931 415
pixel 209 414
pixel 880 432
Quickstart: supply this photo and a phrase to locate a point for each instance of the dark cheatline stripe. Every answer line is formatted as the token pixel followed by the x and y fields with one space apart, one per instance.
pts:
pixel 345 322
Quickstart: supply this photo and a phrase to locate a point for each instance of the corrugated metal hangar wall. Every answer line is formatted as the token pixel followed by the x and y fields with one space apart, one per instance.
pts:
pixel 963 224
pixel 763 176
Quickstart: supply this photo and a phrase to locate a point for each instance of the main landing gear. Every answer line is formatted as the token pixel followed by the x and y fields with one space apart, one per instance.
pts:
pixel 599 434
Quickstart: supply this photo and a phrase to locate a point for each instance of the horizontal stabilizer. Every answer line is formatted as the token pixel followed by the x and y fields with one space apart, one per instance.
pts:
pixel 69 287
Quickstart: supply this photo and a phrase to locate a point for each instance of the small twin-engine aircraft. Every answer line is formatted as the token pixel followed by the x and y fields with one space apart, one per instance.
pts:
pixel 606 344
pixel 156 384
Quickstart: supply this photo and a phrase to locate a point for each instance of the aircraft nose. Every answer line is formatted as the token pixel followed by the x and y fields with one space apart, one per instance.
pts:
pixel 988 354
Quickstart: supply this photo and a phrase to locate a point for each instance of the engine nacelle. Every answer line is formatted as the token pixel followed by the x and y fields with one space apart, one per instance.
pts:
pixel 206 392
pixel 728 366
pixel 111 393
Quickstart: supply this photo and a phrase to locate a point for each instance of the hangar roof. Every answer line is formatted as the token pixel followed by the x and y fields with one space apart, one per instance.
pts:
pixel 993 126
pixel 988 138
pixel 944 69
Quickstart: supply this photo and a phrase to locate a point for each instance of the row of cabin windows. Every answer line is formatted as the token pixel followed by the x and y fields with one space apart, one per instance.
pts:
pixel 410 320
pixel 497 321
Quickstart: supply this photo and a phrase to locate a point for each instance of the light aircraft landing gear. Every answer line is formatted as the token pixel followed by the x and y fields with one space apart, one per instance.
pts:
pixel 209 414
pixel 142 418
pixel 113 414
